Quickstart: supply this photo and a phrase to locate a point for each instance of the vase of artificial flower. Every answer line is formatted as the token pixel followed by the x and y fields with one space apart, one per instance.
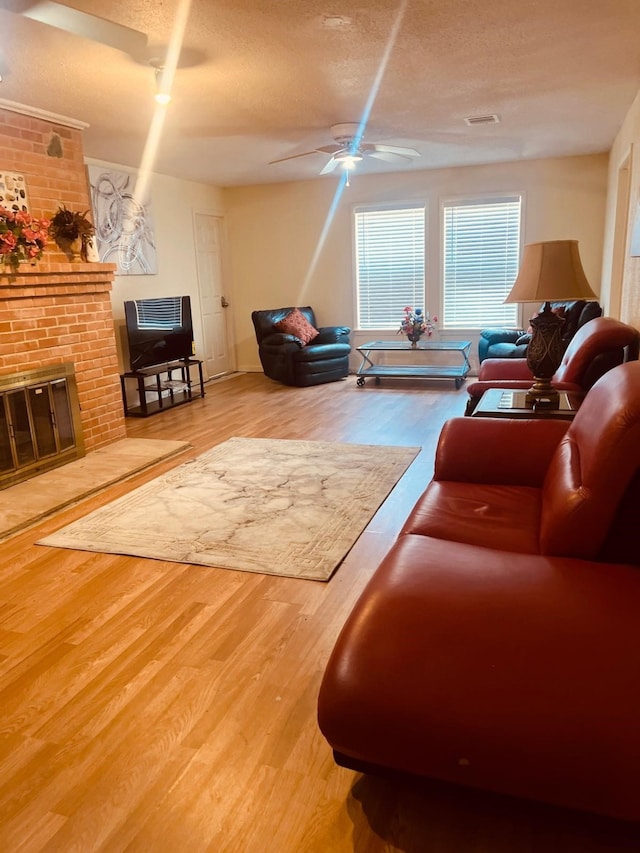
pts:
pixel 22 238
pixel 415 324
pixel 414 337
pixel 70 229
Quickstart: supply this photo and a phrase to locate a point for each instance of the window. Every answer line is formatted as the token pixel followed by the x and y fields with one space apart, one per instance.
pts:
pixel 390 260
pixel 481 259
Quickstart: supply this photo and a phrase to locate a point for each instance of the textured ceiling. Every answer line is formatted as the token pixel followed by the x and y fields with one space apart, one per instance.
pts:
pixel 264 79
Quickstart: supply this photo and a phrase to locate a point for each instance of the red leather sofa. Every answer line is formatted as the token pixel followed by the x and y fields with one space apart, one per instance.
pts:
pixel 596 347
pixel 498 643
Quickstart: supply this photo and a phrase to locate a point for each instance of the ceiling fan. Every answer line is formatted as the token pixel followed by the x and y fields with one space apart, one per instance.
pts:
pixel 348 149
pixel 80 23
pixel 89 26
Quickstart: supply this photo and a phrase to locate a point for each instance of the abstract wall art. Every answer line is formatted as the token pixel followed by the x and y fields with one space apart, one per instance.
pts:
pixel 123 221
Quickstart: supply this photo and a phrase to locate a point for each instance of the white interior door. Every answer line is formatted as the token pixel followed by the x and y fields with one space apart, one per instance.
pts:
pixel 213 304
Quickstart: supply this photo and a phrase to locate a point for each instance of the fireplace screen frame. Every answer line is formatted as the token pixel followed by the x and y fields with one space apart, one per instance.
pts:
pixel 40 422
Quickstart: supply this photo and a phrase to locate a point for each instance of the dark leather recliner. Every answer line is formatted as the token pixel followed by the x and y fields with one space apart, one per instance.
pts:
pixel 286 359
pixel 513 343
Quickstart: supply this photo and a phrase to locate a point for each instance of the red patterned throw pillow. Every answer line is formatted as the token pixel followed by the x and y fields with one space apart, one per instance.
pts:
pixel 295 323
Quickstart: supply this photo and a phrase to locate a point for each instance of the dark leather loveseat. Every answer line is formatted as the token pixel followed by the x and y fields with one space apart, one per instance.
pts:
pixel 513 343
pixel 496 645
pixel 287 359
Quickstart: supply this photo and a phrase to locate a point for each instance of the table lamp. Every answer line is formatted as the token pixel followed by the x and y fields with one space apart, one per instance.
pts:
pixel 549 272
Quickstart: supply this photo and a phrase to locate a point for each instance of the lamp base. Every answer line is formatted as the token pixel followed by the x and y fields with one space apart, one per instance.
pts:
pixel 542 395
pixel 544 355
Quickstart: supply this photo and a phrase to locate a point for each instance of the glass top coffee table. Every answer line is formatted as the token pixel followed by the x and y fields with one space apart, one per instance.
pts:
pixel 511 403
pixel 414 368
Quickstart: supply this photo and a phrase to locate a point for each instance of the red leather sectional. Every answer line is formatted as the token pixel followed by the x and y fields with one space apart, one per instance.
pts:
pixel 498 643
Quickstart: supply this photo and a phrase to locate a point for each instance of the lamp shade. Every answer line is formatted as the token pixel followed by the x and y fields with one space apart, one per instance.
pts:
pixel 550 272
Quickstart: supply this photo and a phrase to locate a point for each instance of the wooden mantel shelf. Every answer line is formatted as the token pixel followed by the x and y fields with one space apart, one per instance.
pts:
pixel 55 279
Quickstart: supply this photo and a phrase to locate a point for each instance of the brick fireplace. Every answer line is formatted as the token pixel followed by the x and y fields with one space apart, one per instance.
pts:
pixel 57 313
pixel 52 318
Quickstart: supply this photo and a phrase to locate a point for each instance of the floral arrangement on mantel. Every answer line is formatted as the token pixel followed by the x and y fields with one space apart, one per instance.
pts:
pixel 22 237
pixel 70 229
pixel 416 323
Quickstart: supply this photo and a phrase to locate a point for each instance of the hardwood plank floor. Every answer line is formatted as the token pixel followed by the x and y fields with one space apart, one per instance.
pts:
pixel 152 706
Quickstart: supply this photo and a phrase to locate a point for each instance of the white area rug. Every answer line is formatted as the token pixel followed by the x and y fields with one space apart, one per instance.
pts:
pixel 292 508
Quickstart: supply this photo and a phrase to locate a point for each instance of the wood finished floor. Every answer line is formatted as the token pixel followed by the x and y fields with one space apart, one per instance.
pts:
pixel 151 706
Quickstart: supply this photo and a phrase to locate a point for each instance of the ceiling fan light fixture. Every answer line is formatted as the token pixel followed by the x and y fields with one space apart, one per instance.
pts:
pixel 161 96
pixel 347 159
pixel 350 161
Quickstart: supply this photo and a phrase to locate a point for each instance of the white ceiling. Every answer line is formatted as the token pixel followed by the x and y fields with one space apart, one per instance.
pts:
pixel 267 79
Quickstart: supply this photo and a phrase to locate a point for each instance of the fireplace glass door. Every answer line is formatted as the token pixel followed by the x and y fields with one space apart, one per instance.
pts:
pixel 37 428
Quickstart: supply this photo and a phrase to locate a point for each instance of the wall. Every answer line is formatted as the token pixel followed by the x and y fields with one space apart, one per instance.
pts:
pixel 173 203
pixel 626 146
pixel 279 257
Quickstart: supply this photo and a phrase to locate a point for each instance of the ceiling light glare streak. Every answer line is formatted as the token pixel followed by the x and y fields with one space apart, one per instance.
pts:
pixel 344 177
pixel 157 122
pixel 375 86
pixel 323 235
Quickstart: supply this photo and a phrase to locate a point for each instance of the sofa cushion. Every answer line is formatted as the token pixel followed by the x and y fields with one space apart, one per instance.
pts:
pixel 523 340
pixel 295 323
pixel 494 516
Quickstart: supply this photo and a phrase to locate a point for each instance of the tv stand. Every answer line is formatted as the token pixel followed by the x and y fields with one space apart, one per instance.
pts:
pixel 170 384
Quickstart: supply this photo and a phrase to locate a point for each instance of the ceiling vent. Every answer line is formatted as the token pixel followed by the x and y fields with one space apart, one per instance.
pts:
pixel 488 119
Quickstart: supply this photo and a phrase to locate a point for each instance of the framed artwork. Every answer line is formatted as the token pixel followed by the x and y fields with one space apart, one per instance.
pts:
pixel 123 221
pixel 13 192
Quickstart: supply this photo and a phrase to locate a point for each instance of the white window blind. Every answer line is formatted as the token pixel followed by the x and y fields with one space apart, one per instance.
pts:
pixel 481 259
pixel 390 259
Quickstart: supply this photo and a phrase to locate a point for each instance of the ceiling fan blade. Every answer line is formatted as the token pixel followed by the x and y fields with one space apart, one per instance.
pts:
pixel 294 156
pixel 397 149
pixel 389 156
pixel 79 23
pixel 329 167
pixel 325 149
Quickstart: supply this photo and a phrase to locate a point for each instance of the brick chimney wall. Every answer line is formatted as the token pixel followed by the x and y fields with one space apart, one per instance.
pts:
pixel 56 311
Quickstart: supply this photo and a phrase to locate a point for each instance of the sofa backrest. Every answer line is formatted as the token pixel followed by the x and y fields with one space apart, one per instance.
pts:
pixel 599 345
pixel 576 314
pixel 264 322
pixel 592 482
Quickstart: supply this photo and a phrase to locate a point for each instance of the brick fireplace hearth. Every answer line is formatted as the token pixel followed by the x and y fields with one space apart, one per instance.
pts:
pixel 63 315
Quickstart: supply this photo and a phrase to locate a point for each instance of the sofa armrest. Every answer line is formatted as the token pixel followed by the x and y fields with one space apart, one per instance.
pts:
pixel 500 451
pixel 501 336
pixel 332 335
pixel 504 368
pixel 275 342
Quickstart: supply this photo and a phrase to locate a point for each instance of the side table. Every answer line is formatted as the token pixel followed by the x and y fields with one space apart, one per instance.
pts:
pixel 511 403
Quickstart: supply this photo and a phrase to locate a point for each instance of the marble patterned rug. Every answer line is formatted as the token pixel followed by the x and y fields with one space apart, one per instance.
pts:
pixel 273 506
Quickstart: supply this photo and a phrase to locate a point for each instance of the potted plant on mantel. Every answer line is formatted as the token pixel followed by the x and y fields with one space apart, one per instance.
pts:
pixel 71 229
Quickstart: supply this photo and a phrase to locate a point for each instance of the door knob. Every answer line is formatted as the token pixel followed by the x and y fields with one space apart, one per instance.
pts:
pixel 224 302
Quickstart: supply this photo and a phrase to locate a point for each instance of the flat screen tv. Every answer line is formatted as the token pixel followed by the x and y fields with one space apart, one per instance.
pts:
pixel 158 330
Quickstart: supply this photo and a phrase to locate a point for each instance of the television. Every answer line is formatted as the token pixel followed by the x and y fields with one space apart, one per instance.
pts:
pixel 158 330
